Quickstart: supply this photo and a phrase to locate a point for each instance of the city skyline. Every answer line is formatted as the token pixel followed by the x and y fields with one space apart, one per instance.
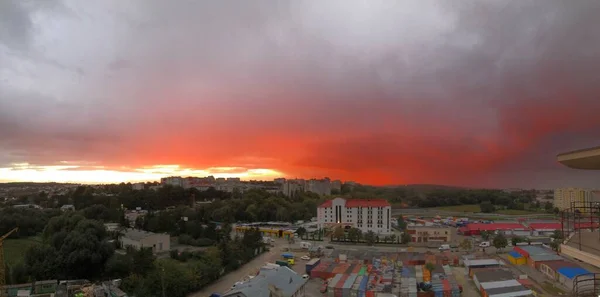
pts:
pixel 476 94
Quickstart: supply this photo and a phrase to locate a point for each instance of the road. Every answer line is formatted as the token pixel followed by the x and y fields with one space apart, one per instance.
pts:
pixel 224 283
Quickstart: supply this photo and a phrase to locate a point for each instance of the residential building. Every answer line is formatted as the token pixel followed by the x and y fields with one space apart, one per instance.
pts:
pixel 291 187
pixel 319 186
pixel 138 186
pixel 430 233
pixel 172 180
pixel 143 239
pixel 275 282
pixel 364 214
pixel 565 198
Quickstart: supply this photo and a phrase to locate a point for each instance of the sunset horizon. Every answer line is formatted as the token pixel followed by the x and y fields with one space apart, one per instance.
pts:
pixel 401 92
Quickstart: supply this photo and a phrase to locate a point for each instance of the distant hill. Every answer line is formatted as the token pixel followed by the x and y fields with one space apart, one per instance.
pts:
pixel 31 184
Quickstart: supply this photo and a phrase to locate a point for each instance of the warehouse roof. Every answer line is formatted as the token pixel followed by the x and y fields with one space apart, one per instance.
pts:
pixel 136 234
pixel 493 275
pixel 545 226
pixel 534 250
pixel 500 284
pixel 546 257
pixel 359 203
pixel 555 265
pixel 281 278
pixel 481 262
pixel 509 291
pixel 494 226
pixel 572 272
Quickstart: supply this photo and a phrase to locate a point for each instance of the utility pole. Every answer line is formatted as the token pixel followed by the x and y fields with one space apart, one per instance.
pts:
pixel 162 280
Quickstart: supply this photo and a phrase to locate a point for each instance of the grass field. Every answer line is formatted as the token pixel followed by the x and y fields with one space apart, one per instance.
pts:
pixel 14 249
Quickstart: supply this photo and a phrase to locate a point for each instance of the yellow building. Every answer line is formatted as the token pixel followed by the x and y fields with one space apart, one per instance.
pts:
pixel 564 198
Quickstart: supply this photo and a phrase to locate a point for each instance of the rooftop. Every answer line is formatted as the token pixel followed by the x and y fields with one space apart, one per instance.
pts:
pixel 350 203
pixel 588 159
pixel 545 226
pixel 493 275
pixel 555 265
pixel 481 262
pixel 135 234
pixel 494 226
pixel 281 278
pixel 509 291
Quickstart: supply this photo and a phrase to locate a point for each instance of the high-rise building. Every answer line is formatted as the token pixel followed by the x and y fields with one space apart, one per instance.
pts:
pixel 364 214
pixel 565 198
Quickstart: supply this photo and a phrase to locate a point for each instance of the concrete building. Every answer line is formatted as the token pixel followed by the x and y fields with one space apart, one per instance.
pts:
pixel 319 186
pixel 275 282
pixel 364 214
pixel 172 180
pixel 564 198
pixel 497 282
pixel 290 187
pixel 143 239
pixel 138 186
pixel 67 207
pixel 430 233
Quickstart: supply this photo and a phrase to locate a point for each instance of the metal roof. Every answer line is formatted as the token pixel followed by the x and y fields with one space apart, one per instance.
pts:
pixel 509 291
pixel 493 275
pixel 515 254
pixel 500 284
pixel 481 262
pixel 534 250
pixel 282 278
pixel 572 272
pixel 137 235
pixel 546 257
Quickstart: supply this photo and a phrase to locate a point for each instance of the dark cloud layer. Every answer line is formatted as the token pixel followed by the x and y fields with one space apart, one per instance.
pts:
pixel 453 92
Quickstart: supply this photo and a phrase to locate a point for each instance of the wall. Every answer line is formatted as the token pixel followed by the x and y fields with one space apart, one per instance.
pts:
pixel 581 255
pixel 158 242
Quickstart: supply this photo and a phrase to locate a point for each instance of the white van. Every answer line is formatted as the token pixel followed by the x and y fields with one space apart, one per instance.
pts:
pixel 484 244
pixel 444 247
pixel 305 245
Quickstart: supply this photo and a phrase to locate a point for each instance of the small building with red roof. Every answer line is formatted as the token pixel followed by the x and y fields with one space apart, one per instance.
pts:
pixel 364 214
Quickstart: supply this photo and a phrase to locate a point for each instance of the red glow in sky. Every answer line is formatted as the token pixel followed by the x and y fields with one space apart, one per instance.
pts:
pixel 384 93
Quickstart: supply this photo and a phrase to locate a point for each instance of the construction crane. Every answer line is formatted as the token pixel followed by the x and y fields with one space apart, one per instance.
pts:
pixel 2 265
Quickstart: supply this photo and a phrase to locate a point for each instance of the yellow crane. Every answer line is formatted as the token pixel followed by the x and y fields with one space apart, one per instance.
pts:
pixel 2 265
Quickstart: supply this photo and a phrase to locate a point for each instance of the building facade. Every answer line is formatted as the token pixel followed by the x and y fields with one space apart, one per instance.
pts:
pixel 430 233
pixel 141 239
pixel 565 197
pixel 364 214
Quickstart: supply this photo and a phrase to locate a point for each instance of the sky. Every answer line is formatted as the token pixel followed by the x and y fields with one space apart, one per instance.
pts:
pixel 470 93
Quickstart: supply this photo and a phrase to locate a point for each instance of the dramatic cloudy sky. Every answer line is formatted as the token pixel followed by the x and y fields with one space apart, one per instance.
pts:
pixel 477 93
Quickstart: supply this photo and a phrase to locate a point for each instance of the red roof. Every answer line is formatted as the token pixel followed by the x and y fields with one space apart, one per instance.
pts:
pixel 360 203
pixel 494 226
pixel 367 203
pixel 325 204
pixel 541 226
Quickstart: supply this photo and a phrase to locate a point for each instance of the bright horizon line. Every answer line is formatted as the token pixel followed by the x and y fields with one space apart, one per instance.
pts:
pixel 24 172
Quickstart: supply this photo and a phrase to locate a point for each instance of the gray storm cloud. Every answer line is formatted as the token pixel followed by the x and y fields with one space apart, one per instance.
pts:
pixel 79 81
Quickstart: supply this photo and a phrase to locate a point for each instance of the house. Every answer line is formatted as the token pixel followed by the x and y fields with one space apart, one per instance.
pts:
pixel 550 269
pixel 67 207
pixel 498 282
pixel 277 282
pixel 143 239
pixel 536 255
pixel 429 233
pixel 566 276
pixel 473 264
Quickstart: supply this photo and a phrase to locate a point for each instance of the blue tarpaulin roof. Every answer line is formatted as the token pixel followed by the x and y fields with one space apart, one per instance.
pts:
pixel 571 272
pixel 287 255
pixel 515 254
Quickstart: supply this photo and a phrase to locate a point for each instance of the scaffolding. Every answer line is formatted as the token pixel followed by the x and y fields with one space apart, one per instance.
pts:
pixel 580 228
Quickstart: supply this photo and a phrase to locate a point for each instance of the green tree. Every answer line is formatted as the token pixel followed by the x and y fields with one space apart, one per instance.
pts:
pixel 466 244
pixel 487 207
pixel 354 234
pixel 370 237
pixel 401 223
pixel 485 235
pixel 500 241
pixel 393 238
pixel 516 240
pixel 338 233
pixel 405 237
pixel 301 232
pixel 558 235
pixel 555 245
pixel 41 262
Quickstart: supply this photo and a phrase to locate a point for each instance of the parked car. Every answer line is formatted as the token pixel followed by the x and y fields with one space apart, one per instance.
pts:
pixel 305 258
pixel 306 276
pixel 444 247
pixel 485 244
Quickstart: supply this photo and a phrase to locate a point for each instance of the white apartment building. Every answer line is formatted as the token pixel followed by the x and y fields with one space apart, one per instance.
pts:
pixel 364 214
pixel 172 180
